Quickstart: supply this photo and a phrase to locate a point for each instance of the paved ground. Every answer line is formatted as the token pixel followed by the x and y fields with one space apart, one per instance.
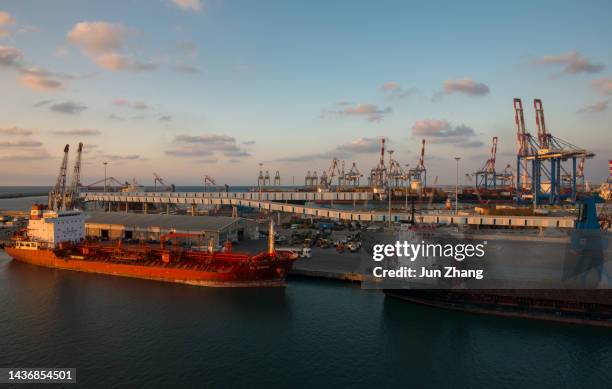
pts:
pixel 325 263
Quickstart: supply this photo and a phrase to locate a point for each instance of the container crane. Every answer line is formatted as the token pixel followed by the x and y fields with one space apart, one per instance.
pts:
pixel 551 182
pixel 378 175
pixel 487 178
pixel 267 179
pixel 418 174
pixel 308 180
pixel 396 174
pixel 334 170
pixel 208 181
pixel 260 178
pixel 353 175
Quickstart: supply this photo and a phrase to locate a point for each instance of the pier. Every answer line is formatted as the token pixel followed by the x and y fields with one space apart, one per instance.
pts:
pixel 272 202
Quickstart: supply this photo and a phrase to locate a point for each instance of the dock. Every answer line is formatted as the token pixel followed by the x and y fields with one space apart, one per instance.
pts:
pixel 272 202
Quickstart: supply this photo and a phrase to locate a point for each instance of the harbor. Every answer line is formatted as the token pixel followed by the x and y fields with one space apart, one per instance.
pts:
pixel 238 194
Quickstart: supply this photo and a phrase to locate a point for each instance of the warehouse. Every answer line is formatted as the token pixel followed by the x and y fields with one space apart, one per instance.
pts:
pixel 115 225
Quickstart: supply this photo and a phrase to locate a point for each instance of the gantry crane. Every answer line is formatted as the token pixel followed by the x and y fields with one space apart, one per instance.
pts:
pixel 378 175
pixel 487 177
pixel 540 162
pixel 418 174
pixel 396 175
pixel 353 176
pixel 336 169
pixel 208 181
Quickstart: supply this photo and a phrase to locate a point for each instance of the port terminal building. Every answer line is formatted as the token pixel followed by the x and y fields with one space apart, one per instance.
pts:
pixel 150 227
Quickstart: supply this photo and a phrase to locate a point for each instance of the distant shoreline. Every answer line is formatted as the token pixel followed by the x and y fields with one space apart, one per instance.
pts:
pixel 19 195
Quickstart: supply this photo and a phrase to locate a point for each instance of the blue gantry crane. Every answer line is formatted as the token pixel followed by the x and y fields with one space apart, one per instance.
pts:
pixel 546 166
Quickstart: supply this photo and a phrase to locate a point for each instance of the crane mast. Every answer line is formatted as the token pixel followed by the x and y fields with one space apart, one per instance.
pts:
pixel 72 196
pixel 57 195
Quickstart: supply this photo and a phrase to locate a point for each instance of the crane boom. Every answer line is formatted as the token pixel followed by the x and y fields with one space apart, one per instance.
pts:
pixel 490 164
pixel 75 184
pixel 543 136
pixel 57 195
pixel 422 157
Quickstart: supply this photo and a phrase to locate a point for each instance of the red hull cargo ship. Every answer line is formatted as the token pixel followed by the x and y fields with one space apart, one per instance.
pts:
pixel 57 240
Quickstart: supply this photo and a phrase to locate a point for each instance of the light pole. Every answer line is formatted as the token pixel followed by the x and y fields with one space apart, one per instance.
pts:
pixel 407 186
pixel 260 179
pixel 105 163
pixel 389 183
pixel 457 188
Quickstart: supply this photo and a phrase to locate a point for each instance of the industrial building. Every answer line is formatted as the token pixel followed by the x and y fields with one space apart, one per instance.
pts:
pixel 116 225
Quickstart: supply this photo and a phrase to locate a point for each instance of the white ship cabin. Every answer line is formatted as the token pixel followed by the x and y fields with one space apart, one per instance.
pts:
pixel 50 228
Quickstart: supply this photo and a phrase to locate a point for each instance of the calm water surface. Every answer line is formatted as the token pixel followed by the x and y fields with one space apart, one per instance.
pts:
pixel 119 331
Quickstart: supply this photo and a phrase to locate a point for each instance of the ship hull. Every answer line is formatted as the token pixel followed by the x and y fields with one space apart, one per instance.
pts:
pixel 228 276
pixel 553 297
pixel 590 307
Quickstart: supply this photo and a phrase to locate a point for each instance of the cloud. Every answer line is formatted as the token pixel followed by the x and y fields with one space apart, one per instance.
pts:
pixel 15 131
pixel 186 69
pixel 371 112
pixel 103 43
pixel 440 128
pixel 10 57
pixel 343 151
pixel 39 79
pixel 98 37
pixel 466 86
pixel 361 145
pixel 42 103
pixel 208 161
pixel 236 153
pixel 165 118
pixel 113 116
pixel 248 142
pixel 441 131
pixel 208 138
pixel 190 5
pixel 32 77
pixel 603 85
pixel 20 144
pixel 206 145
pixel 35 155
pixel 189 151
pixel 137 105
pixel 393 90
pixel 68 108
pixel 114 157
pixel 78 132
pixel 6 20
pixel 599 106
pixel 116 61
pixel 572 63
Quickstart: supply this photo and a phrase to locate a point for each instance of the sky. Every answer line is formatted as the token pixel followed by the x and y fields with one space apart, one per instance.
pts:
pixel 188 88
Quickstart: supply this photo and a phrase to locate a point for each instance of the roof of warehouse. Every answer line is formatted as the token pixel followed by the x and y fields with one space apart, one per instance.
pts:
pixel 178 222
